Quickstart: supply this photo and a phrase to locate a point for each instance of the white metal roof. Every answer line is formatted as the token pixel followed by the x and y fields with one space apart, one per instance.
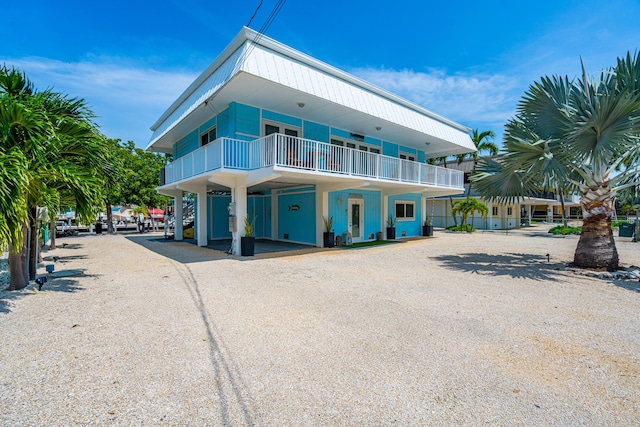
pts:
pixel 260 71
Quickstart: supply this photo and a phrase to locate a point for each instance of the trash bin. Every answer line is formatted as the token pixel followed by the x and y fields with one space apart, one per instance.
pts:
pixel 98 228
pixel 625 229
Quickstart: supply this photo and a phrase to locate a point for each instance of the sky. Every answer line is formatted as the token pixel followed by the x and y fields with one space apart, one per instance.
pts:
pixel 468 61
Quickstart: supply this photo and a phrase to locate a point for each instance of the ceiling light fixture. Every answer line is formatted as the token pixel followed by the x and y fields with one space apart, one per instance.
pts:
pixel 301 104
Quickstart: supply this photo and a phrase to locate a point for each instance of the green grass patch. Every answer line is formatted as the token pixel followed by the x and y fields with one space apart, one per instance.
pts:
pixel 616 224
pixel 371 243
pixel 462 228
pixel 562 230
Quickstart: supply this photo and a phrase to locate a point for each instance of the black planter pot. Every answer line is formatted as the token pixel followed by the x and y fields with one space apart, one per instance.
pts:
pixel 391 233
pixel 329 239
pixel 247 246
pixel 427 230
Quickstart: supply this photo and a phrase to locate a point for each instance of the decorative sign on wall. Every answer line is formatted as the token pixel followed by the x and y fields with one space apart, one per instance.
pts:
pixel 355 196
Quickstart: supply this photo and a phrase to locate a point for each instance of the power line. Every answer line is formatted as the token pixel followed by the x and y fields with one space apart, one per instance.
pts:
pixel 254 14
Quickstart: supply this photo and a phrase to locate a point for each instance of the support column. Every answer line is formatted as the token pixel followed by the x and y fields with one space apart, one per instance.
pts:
pixel 178 212
pixel 201 217
pixel 201 212
pixel 239 197
pixel 385 214
pixel 322 211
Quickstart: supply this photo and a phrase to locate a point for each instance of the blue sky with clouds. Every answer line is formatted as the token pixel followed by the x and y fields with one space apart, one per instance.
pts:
pixel 469 61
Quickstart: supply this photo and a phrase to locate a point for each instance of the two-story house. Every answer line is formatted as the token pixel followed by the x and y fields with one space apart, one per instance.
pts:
pixel 271 133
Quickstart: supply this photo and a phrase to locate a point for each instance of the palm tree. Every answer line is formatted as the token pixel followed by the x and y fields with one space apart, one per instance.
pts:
pixel 60 159
pixel 467 207
pixel 574 132
pixel 483 144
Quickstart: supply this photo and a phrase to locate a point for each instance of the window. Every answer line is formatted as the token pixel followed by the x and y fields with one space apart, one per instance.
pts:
pixel 509 211
pixel 494 211
pixel 208 136
pixel 411 157
pixel 269 129
pixel 405 211
pixel 361 147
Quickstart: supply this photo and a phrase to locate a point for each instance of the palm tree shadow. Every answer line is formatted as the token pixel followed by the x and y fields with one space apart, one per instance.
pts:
pixel 515 265
pixel 66 283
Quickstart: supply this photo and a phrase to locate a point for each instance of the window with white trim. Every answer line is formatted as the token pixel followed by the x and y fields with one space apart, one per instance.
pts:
pixel 405 211
pixel 406 156
pixel 356 145
pixel 509 211
pixel 208 136
pixel 494 210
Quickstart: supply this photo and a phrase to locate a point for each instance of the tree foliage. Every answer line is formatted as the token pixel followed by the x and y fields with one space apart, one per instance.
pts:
pixel 51 153
pixel 573 134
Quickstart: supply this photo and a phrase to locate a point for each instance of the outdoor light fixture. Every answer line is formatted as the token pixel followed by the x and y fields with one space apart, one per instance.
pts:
pixel 378 128
pixel 427 143
pixel 301 104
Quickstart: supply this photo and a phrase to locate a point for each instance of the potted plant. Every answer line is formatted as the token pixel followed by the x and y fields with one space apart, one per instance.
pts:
pixel 248 241
pixel 391 227
pixel 328 235
pixel 427 228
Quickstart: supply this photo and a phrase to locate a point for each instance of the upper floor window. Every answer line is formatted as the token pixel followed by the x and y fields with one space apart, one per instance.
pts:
pixel 494 210
pixel 356 146
pixel 406 156
pixel 208 136
pixel 509 211
pixel 270 128
pixel 405 211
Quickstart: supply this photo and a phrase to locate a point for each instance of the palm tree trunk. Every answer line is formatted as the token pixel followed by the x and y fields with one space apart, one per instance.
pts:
pixel 52 235
pixel 455 221
pixel 33 243
pixel 596 247
pixel 564 212
pixel 109 218
pixel 17 264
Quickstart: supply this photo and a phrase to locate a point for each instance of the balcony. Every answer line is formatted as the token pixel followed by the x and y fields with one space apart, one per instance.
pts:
pixel 293 154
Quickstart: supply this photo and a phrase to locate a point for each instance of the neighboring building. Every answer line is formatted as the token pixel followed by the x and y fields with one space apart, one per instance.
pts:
pixel 545 206
pixel 270 132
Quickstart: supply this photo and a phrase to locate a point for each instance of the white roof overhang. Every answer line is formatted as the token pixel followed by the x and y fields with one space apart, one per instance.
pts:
pixel 272 76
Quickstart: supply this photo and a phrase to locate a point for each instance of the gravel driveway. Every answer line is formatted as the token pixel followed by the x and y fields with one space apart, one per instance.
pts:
pixel 461 329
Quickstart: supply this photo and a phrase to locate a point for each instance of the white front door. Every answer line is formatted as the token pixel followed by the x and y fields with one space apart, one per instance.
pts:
pixel 356 220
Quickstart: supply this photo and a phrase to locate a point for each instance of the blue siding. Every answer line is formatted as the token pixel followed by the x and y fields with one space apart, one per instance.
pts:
pixel 299 224
pixel 247 119
pixel 223 124
pixel 372 141
pixel 218 217
pixel 407 149
pixel 316 131
pixel 208 124
pixel 421 157
pixel 281 118
pixel 257 206
pixel 186 145
pixel 340 133
pixel 389 149
pixel 339 206
pixel 411 228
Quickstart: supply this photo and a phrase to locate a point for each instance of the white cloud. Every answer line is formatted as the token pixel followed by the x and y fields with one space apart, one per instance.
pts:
pixel 127 98
pixel 461 97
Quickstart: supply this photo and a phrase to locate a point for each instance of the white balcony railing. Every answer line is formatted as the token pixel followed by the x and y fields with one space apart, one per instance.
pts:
pixel 306 155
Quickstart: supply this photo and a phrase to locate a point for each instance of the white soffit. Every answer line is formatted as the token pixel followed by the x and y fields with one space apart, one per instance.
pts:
pixel 280 69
